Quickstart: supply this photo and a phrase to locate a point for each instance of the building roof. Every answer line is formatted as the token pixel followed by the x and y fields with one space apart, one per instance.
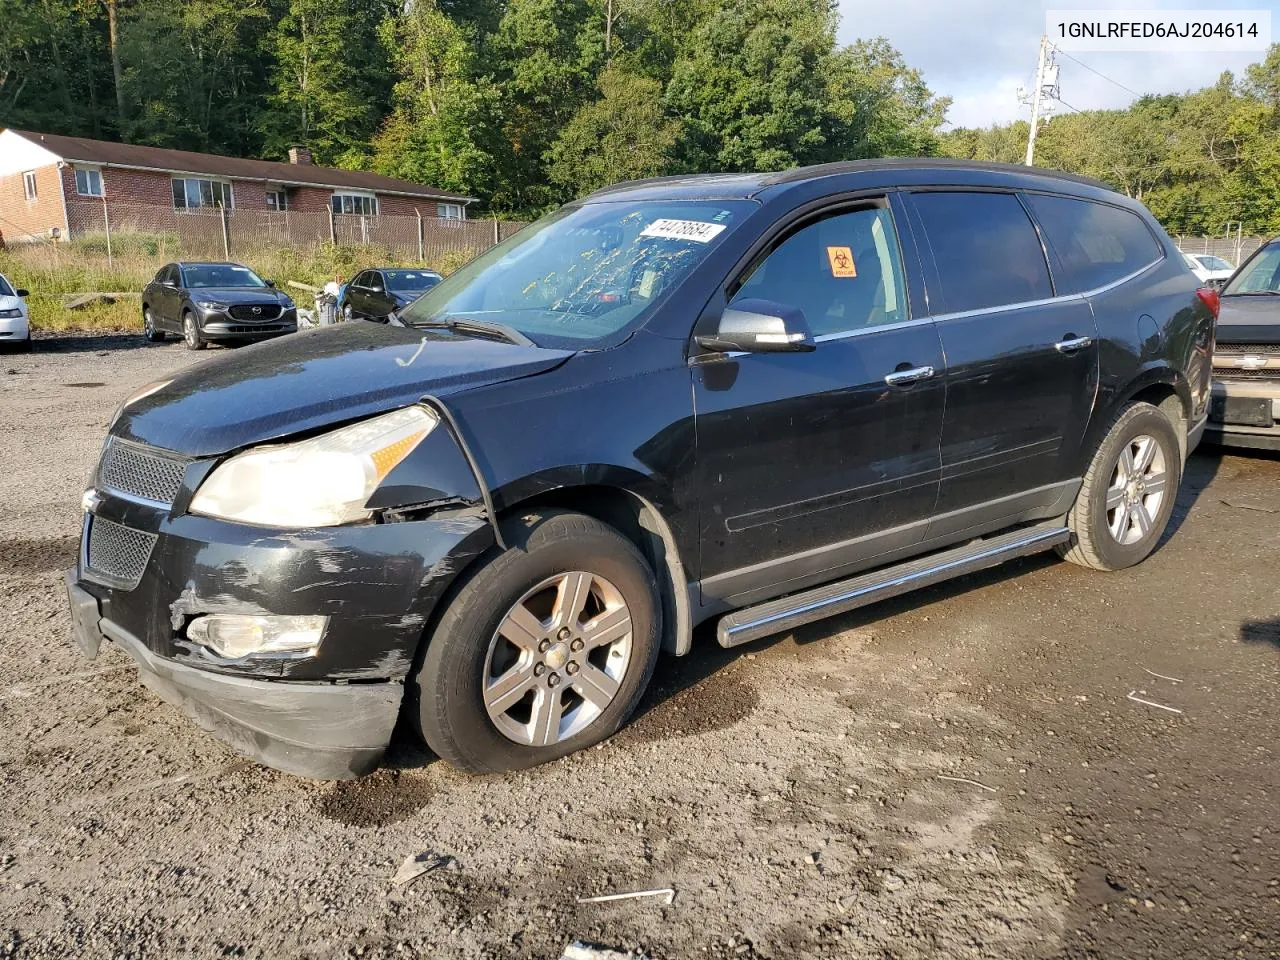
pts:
pixel 106 153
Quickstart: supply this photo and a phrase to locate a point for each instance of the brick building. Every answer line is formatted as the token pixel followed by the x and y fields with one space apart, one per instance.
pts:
pixel 53 183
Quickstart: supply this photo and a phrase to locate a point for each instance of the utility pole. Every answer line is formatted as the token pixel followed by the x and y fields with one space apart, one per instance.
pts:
pixel 1044 92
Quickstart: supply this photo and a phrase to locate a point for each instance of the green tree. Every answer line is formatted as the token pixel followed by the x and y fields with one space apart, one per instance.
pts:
pixel 622 136
pixel 440 130
pixel 881 105
pixel 332 81
pixel 544 60
pixel 750 85
pixel 187 78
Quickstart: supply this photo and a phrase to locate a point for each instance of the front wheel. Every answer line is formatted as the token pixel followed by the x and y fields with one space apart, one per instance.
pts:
pixel 191 332
pixel 545 649
pixel 1128 492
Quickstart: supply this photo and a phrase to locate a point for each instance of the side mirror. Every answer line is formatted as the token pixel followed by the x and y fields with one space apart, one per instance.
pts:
pixel 22 293
pixel 269 283
pixel 760 326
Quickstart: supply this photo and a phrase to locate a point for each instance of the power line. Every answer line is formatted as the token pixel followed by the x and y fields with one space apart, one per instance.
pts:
pixel 1099 73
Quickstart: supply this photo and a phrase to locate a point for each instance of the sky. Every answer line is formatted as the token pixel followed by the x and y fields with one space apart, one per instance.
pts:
pixel 979 52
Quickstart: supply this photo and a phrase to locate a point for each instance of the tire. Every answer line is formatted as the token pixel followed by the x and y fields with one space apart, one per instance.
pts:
pixel 191 332
pixel 552 553
pixel 1108 530
pixel 149 327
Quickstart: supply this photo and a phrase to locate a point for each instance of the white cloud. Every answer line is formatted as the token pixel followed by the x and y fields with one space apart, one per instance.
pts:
pixel 979 52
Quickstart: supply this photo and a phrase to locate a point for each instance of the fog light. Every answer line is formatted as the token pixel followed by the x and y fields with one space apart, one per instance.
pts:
pixel 231 636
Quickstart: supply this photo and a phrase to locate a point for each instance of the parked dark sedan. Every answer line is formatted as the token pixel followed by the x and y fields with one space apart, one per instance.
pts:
pixel 376 293
pixel 222 302
pixel 751 399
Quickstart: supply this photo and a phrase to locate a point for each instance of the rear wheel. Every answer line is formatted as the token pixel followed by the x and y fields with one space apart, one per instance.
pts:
pixel 191 332
pixel 544 650
pixel 149 327
pixel 1127 496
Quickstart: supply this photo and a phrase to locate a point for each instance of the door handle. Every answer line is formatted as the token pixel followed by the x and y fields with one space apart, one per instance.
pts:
pixel 1072 344
pixel 900 378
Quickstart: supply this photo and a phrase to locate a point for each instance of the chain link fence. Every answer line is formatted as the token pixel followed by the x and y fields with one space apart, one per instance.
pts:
pixel 1234 249
pixel 166 233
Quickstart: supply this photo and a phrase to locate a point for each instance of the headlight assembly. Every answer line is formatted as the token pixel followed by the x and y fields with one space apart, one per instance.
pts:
pixel 320 482
pixel 211 304
pixel 10 314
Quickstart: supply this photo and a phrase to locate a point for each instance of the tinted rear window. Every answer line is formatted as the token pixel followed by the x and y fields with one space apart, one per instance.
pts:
pixel 1097 244
pixel 986 249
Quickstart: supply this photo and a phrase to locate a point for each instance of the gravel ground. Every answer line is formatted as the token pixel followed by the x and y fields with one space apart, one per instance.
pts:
pixel 791 791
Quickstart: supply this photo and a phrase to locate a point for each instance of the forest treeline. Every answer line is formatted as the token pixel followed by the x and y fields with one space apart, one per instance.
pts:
pixel 1204 162
pixel 528 103
pixel 523 103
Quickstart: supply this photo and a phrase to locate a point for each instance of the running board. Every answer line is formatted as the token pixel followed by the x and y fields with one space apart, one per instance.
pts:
pixel 787 613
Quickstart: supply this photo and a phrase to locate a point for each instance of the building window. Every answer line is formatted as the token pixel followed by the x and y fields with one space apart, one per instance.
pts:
pixel 190 193
pixel 277 200
pixel 358 203
pixel 449 211
pixel 29 184
pixel 88 182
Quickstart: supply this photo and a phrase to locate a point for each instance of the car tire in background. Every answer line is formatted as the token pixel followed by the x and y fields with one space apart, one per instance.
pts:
pixel 543 649
pixel 1127 497
pixel 191 332
pixel 149 327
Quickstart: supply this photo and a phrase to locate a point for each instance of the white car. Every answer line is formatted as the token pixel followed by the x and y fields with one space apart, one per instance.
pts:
pixel 15 320
pixel 1208 268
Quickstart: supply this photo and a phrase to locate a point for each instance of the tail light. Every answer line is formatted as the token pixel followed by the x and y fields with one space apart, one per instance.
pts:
pixel 1209 297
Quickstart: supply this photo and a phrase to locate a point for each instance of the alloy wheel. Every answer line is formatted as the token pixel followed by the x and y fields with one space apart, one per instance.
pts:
pixel 189 330
pixel 557 659
pixel 1137 490
pixel 148 325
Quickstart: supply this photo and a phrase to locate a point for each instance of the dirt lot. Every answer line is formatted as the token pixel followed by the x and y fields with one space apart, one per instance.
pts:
pixel 790 791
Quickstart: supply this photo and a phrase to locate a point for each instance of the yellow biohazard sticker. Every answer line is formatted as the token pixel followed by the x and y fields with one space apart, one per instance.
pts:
pixel 841 259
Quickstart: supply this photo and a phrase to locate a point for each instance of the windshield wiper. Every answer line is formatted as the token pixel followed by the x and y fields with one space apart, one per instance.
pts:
pixel 468 325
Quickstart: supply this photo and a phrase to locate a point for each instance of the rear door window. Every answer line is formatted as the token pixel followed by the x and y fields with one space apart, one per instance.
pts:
pixel 987 251
pixel 1095 243
pixel 842 270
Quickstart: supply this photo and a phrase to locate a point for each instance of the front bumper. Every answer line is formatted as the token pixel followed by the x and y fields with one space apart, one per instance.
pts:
pixel 329 715
pixel 219 325
pixel 323 730
pixel 14 329
pixel 1252 436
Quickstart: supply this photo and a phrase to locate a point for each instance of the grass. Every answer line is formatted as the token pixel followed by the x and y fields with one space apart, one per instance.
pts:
pixel 53 274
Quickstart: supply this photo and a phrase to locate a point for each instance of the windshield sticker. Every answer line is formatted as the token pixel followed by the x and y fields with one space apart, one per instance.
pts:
pixel 696 230
pixel 841 260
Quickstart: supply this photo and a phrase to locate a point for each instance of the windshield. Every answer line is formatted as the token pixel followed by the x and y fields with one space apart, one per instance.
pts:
pixel 220 275
pixel 1259 275
pixel 1214 263
pixel 583 274
pixel 410 281
pixel 5 289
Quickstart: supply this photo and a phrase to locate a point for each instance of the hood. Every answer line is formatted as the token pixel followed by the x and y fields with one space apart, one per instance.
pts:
pixel 1249 319
pixel 237 294
pixel 12 303
pixel 319 377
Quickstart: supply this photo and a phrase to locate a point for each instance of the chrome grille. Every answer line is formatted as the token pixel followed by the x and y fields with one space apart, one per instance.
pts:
pixel 117 554
pixel 139 471
pixel 265 311
pixel 1238 349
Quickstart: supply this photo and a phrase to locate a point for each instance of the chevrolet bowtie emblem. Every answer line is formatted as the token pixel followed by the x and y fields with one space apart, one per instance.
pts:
pixel 1250 363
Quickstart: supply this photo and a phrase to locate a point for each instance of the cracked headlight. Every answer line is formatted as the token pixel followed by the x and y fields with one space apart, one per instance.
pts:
pixel 320 482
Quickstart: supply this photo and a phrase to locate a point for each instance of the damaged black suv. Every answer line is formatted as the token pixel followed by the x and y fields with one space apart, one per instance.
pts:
pixel 754 399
